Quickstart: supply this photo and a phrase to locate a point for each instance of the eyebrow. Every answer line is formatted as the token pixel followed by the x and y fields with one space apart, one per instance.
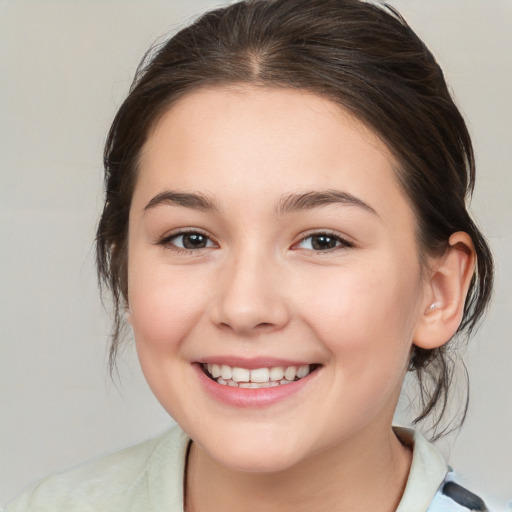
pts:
pixel 309 200
pixel 185 199
pixel 289 203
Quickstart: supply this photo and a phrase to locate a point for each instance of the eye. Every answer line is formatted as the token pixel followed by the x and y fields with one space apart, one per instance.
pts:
pixel 190 240
pixel 322 242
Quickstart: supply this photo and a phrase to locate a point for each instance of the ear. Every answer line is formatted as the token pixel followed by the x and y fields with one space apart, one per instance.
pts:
pixel 446 290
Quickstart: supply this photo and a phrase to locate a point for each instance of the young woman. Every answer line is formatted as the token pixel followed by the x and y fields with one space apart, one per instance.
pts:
pixel 285 231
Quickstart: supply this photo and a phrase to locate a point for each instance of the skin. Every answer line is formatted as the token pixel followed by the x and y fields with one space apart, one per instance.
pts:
pixel 260 289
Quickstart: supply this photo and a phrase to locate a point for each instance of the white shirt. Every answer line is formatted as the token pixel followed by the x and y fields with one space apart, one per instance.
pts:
pixel 149 477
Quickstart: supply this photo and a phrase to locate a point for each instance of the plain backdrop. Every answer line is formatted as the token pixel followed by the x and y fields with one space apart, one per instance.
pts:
pixel 65 67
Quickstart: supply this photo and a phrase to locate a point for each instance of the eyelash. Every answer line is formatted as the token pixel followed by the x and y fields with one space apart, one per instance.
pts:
pixel 167 241
pixel 341 243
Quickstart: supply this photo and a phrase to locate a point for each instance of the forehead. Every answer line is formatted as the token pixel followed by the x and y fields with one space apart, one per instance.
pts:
pixel 254 142
pixel 219 112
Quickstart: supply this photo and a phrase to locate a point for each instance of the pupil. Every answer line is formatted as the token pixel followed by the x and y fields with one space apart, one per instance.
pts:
pixel 194 241
pixel 323 242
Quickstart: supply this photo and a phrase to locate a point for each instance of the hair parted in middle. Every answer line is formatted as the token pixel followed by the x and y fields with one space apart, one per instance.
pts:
pixel 361 56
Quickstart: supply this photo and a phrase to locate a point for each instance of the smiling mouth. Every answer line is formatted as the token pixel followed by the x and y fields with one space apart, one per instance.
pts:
pixel 256 378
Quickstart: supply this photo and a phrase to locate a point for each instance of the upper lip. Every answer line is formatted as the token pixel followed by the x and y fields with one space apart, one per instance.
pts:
pixel 252 363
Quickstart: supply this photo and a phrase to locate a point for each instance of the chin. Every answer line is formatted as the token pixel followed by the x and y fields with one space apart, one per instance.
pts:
pixel 253 456
pixel 256 463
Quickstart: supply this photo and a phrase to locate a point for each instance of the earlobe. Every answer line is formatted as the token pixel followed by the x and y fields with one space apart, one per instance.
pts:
pixel 447 288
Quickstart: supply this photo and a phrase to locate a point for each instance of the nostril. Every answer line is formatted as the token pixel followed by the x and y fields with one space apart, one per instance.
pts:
pixel 248 299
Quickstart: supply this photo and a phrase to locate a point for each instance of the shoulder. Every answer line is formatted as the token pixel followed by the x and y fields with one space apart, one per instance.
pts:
pixel 130 479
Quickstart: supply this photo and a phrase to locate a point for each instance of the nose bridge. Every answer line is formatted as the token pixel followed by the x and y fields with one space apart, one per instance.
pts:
pixel 250 297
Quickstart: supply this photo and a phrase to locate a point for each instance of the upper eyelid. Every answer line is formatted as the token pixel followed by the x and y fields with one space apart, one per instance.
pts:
pixel 165 239
pixel 345 243
pixel 186 231
pixel 318 232
pixel 303 236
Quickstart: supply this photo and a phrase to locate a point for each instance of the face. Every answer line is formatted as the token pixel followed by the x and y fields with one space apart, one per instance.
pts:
pixel 273 275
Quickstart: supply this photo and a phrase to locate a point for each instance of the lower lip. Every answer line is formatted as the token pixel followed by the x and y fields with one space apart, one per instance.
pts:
pixel 255 397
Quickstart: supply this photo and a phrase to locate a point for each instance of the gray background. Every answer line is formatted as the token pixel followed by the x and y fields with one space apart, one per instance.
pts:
pixel 65 68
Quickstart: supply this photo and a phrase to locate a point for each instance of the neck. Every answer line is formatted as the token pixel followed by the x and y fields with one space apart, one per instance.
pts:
pixel 368 472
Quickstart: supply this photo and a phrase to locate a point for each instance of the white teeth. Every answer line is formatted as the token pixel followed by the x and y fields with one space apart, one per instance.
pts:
pixel 226 372
pixel 302 371
pixel 214 370
pixel 255 385
pixel 241 374
pixel 290 372
pixel 256 378
pixel 276 373
pixel 260 375
pixel 248 385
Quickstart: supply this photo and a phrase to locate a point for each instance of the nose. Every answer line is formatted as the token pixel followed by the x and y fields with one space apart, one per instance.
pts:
pixel 251 297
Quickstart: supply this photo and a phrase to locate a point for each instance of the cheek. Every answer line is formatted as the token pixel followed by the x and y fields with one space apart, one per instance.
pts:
pixel 165 306
pixel 366 317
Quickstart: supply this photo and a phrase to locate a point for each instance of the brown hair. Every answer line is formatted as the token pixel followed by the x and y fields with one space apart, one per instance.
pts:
pixel 362 56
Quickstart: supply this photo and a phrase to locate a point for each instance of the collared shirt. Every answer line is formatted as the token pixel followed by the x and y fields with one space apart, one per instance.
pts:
pixel 431 485
pixel 149 477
